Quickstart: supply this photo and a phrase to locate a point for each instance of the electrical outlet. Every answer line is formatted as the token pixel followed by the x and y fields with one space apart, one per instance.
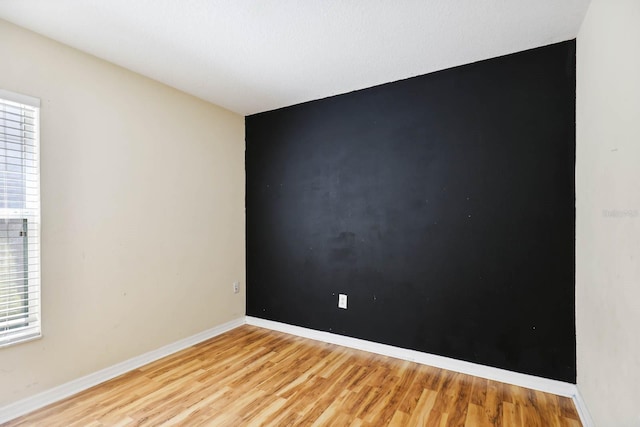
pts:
pixel 342 301
pixel 236 287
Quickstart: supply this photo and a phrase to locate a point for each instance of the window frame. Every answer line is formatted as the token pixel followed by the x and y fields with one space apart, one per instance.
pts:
pixel 30 213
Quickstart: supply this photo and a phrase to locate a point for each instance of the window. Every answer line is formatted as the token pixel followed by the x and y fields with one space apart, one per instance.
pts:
pixel 19 218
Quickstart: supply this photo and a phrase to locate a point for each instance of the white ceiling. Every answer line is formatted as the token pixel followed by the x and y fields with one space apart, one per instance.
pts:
pixel 256 55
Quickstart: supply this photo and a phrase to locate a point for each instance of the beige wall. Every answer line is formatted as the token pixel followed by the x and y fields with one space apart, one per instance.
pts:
pixel 608 212
pixel 142 213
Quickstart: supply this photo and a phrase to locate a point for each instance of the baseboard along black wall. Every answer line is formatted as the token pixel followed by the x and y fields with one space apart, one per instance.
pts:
pixel 443 206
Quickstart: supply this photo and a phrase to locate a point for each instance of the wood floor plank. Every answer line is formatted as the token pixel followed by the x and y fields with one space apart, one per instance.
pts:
pixel 255 377
pixel 422 412
pixel 477 417
pixel 493 402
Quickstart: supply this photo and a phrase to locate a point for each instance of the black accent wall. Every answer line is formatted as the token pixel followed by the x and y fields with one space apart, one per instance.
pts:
pixel 442 205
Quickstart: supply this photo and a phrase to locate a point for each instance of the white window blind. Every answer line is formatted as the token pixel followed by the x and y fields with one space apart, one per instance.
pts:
pixel 19 218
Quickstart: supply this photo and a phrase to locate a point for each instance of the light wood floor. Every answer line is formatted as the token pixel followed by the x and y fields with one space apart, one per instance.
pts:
pixel 253 376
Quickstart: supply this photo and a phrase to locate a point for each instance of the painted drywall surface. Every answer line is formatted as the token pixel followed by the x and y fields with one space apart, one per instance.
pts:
pixel 251 56
pixel 142 213
pixel 443 206
pixel 608 211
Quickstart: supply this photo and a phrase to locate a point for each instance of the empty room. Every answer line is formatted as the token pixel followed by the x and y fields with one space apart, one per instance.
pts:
pixel 319 213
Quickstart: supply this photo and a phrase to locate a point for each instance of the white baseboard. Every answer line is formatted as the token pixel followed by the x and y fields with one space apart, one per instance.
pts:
pixel 529 381
pixel 559 388
pixel 29 404
pixel 63 391
pixel 581 407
